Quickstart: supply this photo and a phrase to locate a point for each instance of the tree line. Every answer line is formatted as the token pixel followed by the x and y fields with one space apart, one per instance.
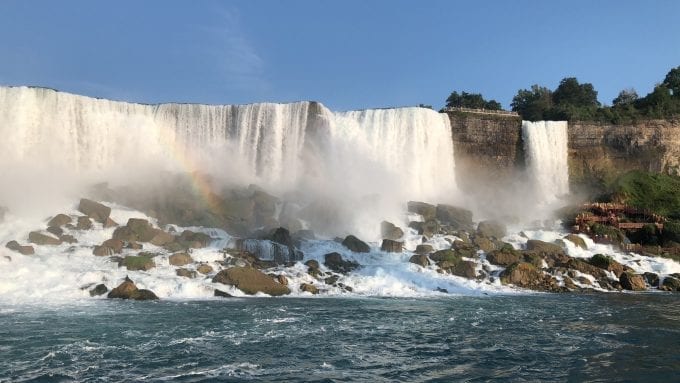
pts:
pixel 574 101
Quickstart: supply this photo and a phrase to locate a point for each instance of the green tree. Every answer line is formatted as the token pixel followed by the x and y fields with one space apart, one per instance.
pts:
pixel 471 100
pixel 571 93
pixel 532 104
pixel 626 97
pixel 672 81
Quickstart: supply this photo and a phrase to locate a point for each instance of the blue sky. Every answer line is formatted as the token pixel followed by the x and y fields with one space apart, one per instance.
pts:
pixel 346 54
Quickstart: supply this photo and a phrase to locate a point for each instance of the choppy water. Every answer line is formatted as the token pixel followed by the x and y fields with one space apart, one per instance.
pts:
pixel 619 337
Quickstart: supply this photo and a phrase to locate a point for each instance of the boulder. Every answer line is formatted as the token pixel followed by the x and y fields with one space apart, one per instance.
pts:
pixel 195 240
pixel 586 268
pixel 250 281
pixel 128 290
pixel 466 269
pixel 102 251
pixel 419 259
pixel 24 250
pixel 281 235
pixel 309 288
pixel 651 278
pixel 59 220
pixel 458 218
pixel 505 256
pixel 222 294
pixel 94 210
pixel 124 233
pixel 391 246
pixel 204 269
pixel 424 249
pixel 180 259
pixel 544 248
pixel 491 229
pixel 56 230
pixel 115 244
pixel 186 273
pixel 98 290
pixel 521 274
pixel 389 231
pixel 42 239
pixel 355 244
pixel 84 223
pixel 576 240
pixel 427 210
pixel 67 238
pixel 630 281
pixel 162 238
pixel 670 284
pixel 109 223
pixel 142 229
pixel 465 249
pixel 312 264
pixel 608 263
pixel 484 244
pixel 137 262
pixel 335 262
pixel 429 228
pixel 445 256
pixel 282 279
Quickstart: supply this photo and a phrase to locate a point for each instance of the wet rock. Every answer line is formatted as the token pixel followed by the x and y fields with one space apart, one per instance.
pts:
pixel 389 231
pixel 464 249
pixel 109 223
pixel 419 259
pixel 98 290
pixel 162 238
pixel 196 240
pixel 180 259
pixel 84 223
pixel 137 262
pixel 94 210
pixel 505 256
pixel 586 268
pixel 427 210
pixel 204 269
pixel 491 229
pixel 134 246
pixel 545 249
pixel 441 290
pixel 335 262
pixel 271 251
pixel 445 255
pixel 282 279
pixel 391 246
pixel 608 263
pixel 39 238
pixel 670 284
pixel 312 264
pixel 102 251
pixel 222 294
pixel 521 274
pixel 651 278
pixel 484 244
pixel 576 240
pixel 141 228
pixel 59 220
pixel 309 288
pixel 630 281
pixel 56 230
pixel 24 250
pixel 533 258
pixel 115 244
pixel 332 280
pixel 424 249
pixel 244 258
pixel 466 269
pixel 458 218
pixel 429 228
pixel 250 281
pixel 186 273
pixel 355 244
pixel 128 290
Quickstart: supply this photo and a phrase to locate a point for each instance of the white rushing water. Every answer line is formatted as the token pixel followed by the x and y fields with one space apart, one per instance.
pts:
pixel 545 147
pixel 54 140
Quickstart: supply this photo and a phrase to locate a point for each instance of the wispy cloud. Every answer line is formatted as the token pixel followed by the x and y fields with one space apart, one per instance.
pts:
pixel 235 57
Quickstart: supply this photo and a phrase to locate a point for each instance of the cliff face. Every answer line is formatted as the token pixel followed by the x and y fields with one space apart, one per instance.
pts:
pixel 490 147
pixel 602 151
pixel 486 147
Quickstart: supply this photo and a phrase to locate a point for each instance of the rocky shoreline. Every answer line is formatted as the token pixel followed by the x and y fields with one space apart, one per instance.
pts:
pixel 257 264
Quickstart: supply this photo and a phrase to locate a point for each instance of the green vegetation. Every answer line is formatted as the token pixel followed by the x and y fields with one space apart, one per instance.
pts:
pixel 471 100
pixel 602 261
pixel 574 101
pixel 659 193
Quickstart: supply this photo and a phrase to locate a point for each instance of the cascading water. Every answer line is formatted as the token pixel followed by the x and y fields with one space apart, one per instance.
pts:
pixel 545 147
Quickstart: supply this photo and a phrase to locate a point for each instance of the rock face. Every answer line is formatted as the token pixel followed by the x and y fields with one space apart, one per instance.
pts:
pixel 630 281
pixel 391 246
pixel 355 244
pixel 15 246
pixel 250 281
pixel 94 210
pixel 42 239
pixel 335 262
pixel 128 290
pixel 389 231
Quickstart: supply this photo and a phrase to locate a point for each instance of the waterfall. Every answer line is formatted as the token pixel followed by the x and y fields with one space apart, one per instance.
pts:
pixel 545 147
pixel 406 152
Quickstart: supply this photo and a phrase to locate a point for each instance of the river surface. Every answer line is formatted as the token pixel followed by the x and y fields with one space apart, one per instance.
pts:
pixel 541 337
